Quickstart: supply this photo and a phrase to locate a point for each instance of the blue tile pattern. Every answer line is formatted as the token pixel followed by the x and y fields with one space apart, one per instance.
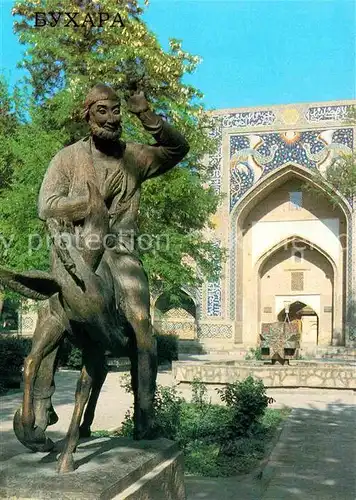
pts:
pixel 243 119
pixel 213 299
pixel 307 149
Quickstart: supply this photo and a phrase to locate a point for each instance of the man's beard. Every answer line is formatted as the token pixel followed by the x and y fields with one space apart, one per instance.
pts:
pixel 103 133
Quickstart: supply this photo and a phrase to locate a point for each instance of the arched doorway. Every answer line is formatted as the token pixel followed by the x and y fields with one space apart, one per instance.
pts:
pixel 306 319
pixel 276 209
pixel 176 313
pixel 296 287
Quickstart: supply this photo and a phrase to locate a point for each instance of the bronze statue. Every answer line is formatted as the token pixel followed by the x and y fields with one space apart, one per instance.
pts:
pixel 91 194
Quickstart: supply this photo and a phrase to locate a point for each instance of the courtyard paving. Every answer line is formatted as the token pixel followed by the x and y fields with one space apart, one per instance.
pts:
pixel 313 459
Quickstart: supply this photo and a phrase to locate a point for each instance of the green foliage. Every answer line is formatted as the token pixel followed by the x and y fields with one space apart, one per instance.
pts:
pixel 211 435
pixel 100 434
pixel 199 392
pixel 248 402
pixel 203 423
pixel 62 65
pixel 167 408
pixel 167 348
pixel 70 356
pixel 13 351
pixel 254 354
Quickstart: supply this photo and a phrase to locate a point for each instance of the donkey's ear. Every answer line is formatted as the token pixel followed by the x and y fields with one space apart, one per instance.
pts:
pixel 36 285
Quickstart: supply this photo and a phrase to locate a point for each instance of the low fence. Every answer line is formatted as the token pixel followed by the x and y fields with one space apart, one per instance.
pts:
pixel 326 375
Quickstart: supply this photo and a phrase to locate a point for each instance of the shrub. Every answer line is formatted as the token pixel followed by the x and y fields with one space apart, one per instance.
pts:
pixel 217 440
pixel 167 348
pixel 248 402
pixel 13 351
pixel 206 423
pixel 75 359
pixel 199 392
pixel 70 356
pixel 167 410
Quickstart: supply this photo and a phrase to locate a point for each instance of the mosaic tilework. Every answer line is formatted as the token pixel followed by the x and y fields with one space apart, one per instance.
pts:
pixel 253 156
pixel 215 160
pixel 232 245
pixel 177 313
pixel 248 119
pixel 313 151
pixel 27 323
pixel 214 294
pixel 212 331
pixel 213 299
pixel 183 329
pixel 243 119
pixel 327 113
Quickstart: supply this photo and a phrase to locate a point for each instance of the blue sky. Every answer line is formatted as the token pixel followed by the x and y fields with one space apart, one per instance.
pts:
pixel 255 52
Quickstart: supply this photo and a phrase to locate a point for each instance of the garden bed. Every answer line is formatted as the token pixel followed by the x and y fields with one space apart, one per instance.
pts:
pixel 217 440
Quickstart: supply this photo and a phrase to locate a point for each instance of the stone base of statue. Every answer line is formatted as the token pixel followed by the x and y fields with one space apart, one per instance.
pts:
pixel 107 468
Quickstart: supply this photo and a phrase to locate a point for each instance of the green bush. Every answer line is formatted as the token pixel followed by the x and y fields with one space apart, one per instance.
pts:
pixel 207 423
pixel 75 359
pixel 217 440
pixel 167 348
pixel 13 351
pixel 199 392
pixel 248 402
pixel 70 356
pixel 167 409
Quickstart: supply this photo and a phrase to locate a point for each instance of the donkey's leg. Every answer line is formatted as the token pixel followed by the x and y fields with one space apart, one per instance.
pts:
pixel 43 391
pixel 44 384
pixel 66 461
pixel 52 328
pixel 99 373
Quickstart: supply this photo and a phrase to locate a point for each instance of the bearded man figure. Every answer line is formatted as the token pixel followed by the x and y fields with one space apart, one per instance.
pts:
pixel 118 169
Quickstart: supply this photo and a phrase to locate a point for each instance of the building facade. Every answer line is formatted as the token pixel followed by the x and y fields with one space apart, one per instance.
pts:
pixel 291 246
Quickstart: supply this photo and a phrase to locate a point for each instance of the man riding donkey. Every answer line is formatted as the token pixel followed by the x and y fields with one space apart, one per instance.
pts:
pixel 117 169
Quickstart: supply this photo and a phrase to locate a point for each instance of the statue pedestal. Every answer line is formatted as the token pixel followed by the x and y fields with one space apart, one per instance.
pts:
pixel 107 468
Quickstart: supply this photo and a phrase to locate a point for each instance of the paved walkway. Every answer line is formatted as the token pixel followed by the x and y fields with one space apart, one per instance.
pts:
pixel 314 458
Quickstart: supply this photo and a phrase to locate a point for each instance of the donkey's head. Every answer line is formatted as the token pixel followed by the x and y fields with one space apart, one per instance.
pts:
pixel 77 247
pixel 84 242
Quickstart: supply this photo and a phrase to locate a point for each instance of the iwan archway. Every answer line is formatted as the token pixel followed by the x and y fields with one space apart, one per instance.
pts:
pixel 296 282
pixel 276 216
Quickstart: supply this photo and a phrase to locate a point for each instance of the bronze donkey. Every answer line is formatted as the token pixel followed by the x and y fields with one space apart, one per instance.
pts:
pixel 81 304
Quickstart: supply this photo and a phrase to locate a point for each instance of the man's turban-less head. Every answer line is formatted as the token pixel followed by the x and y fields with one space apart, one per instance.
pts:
pixel 99 92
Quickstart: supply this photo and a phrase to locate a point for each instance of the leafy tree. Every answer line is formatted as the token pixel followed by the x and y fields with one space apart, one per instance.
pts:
pixel 63 63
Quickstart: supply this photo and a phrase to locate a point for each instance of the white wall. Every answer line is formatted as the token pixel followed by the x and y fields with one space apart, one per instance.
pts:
pixel 324 233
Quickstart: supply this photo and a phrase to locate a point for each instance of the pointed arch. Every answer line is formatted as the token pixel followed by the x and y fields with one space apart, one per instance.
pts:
pixel 262 188
pixel 291 239
pixel 277 177
pixel 259 191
